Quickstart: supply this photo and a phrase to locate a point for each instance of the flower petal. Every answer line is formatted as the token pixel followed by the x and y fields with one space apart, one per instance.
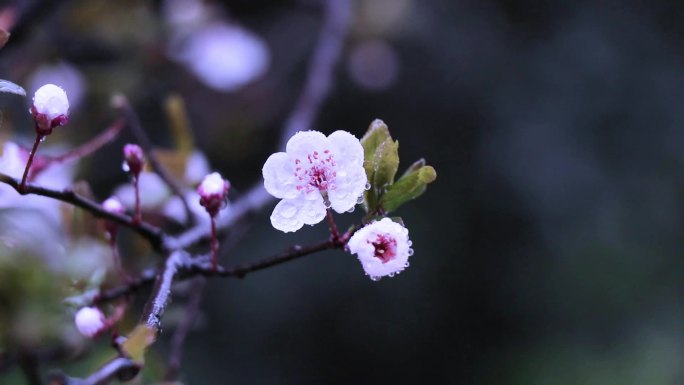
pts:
pixel 348 149
pixel 279 176
pixel 291 214
pixel 305 143
pixel 350 184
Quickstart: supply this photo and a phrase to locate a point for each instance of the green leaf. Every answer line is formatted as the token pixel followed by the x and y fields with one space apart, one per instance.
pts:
pixel 7 86
pixel 377 133
pixel 140 338
pixel 385 164
pixel 408 187
pixel 414 167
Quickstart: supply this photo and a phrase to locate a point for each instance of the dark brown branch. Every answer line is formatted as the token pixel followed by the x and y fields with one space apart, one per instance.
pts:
pixel 154 235
pixel 192 267
pixel 183 329
pixel 122 103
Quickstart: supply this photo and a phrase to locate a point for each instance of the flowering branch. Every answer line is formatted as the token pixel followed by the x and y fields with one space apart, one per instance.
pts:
pixel 153 234
pixel 120 368
pixel 122 103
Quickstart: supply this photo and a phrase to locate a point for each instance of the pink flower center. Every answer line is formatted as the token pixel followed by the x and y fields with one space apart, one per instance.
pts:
pixel 316 172
pixel 385 248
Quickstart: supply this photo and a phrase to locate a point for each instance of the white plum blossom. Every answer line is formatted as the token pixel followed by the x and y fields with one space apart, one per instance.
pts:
pixel 383 248
pixel 90 321
pixel 314 173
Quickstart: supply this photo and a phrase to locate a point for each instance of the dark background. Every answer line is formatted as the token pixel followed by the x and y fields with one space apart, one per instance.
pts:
pixel 548 251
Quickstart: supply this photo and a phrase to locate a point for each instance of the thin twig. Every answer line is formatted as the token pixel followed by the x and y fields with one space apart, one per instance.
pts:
pixel 93 144
pixel 153 234
pixel 192 267
pixel 183 329
pixel 122 103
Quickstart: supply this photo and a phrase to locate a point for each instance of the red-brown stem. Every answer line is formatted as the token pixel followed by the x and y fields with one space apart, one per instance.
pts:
pixel 333 227
pixel 94 144
pixel 22 185
pixel 137 215
pixel 214 245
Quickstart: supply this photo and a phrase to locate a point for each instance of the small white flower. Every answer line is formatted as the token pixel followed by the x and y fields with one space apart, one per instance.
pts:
pixel 383 248
pixel 315 171
pixel 51 101
pixel 90 321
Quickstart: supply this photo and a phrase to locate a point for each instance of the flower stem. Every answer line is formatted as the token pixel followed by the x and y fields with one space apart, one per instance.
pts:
pixel 333 227
pixel 214 245
pixel 137 215
pixel 22 185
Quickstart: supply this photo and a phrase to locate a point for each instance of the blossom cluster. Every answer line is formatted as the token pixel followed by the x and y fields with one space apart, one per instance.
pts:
pixel 316 174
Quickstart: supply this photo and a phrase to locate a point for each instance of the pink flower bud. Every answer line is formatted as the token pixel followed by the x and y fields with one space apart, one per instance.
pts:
pixel 213 192
pixel 383 248
pixel 134 159
pixel 50 108
pixel 90 321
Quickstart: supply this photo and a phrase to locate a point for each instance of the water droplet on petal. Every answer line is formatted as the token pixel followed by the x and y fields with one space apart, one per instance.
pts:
pixel 359 200
pixel 391 275
pixel 407 264
pixel 367 186
pixel 124 166
pixel 410 252
pixel 42 139
pixel 327 204
pixel 374 278
pixel 351 210
pixel 409 243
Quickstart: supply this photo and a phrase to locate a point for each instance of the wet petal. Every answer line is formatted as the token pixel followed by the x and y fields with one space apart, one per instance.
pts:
pixel 279 176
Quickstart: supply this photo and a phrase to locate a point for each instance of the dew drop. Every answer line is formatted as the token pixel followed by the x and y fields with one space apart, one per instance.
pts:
pixel 407 264
pixel 351 210
pixel 374 278
pixel 327 204
pixel 359 200
pixel 409 243
pixel 367 186
pixel 410 252
pixel 42 139
pixel 391 275
pixel 125 167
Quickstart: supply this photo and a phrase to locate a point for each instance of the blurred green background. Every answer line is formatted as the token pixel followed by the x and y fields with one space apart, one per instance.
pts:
pixel 548 251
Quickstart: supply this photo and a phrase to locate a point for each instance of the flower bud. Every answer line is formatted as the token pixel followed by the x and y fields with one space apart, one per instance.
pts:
pixel 90 321
pixel 50 108
pixel 134 159
pixel 383 248
pixel 213 192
